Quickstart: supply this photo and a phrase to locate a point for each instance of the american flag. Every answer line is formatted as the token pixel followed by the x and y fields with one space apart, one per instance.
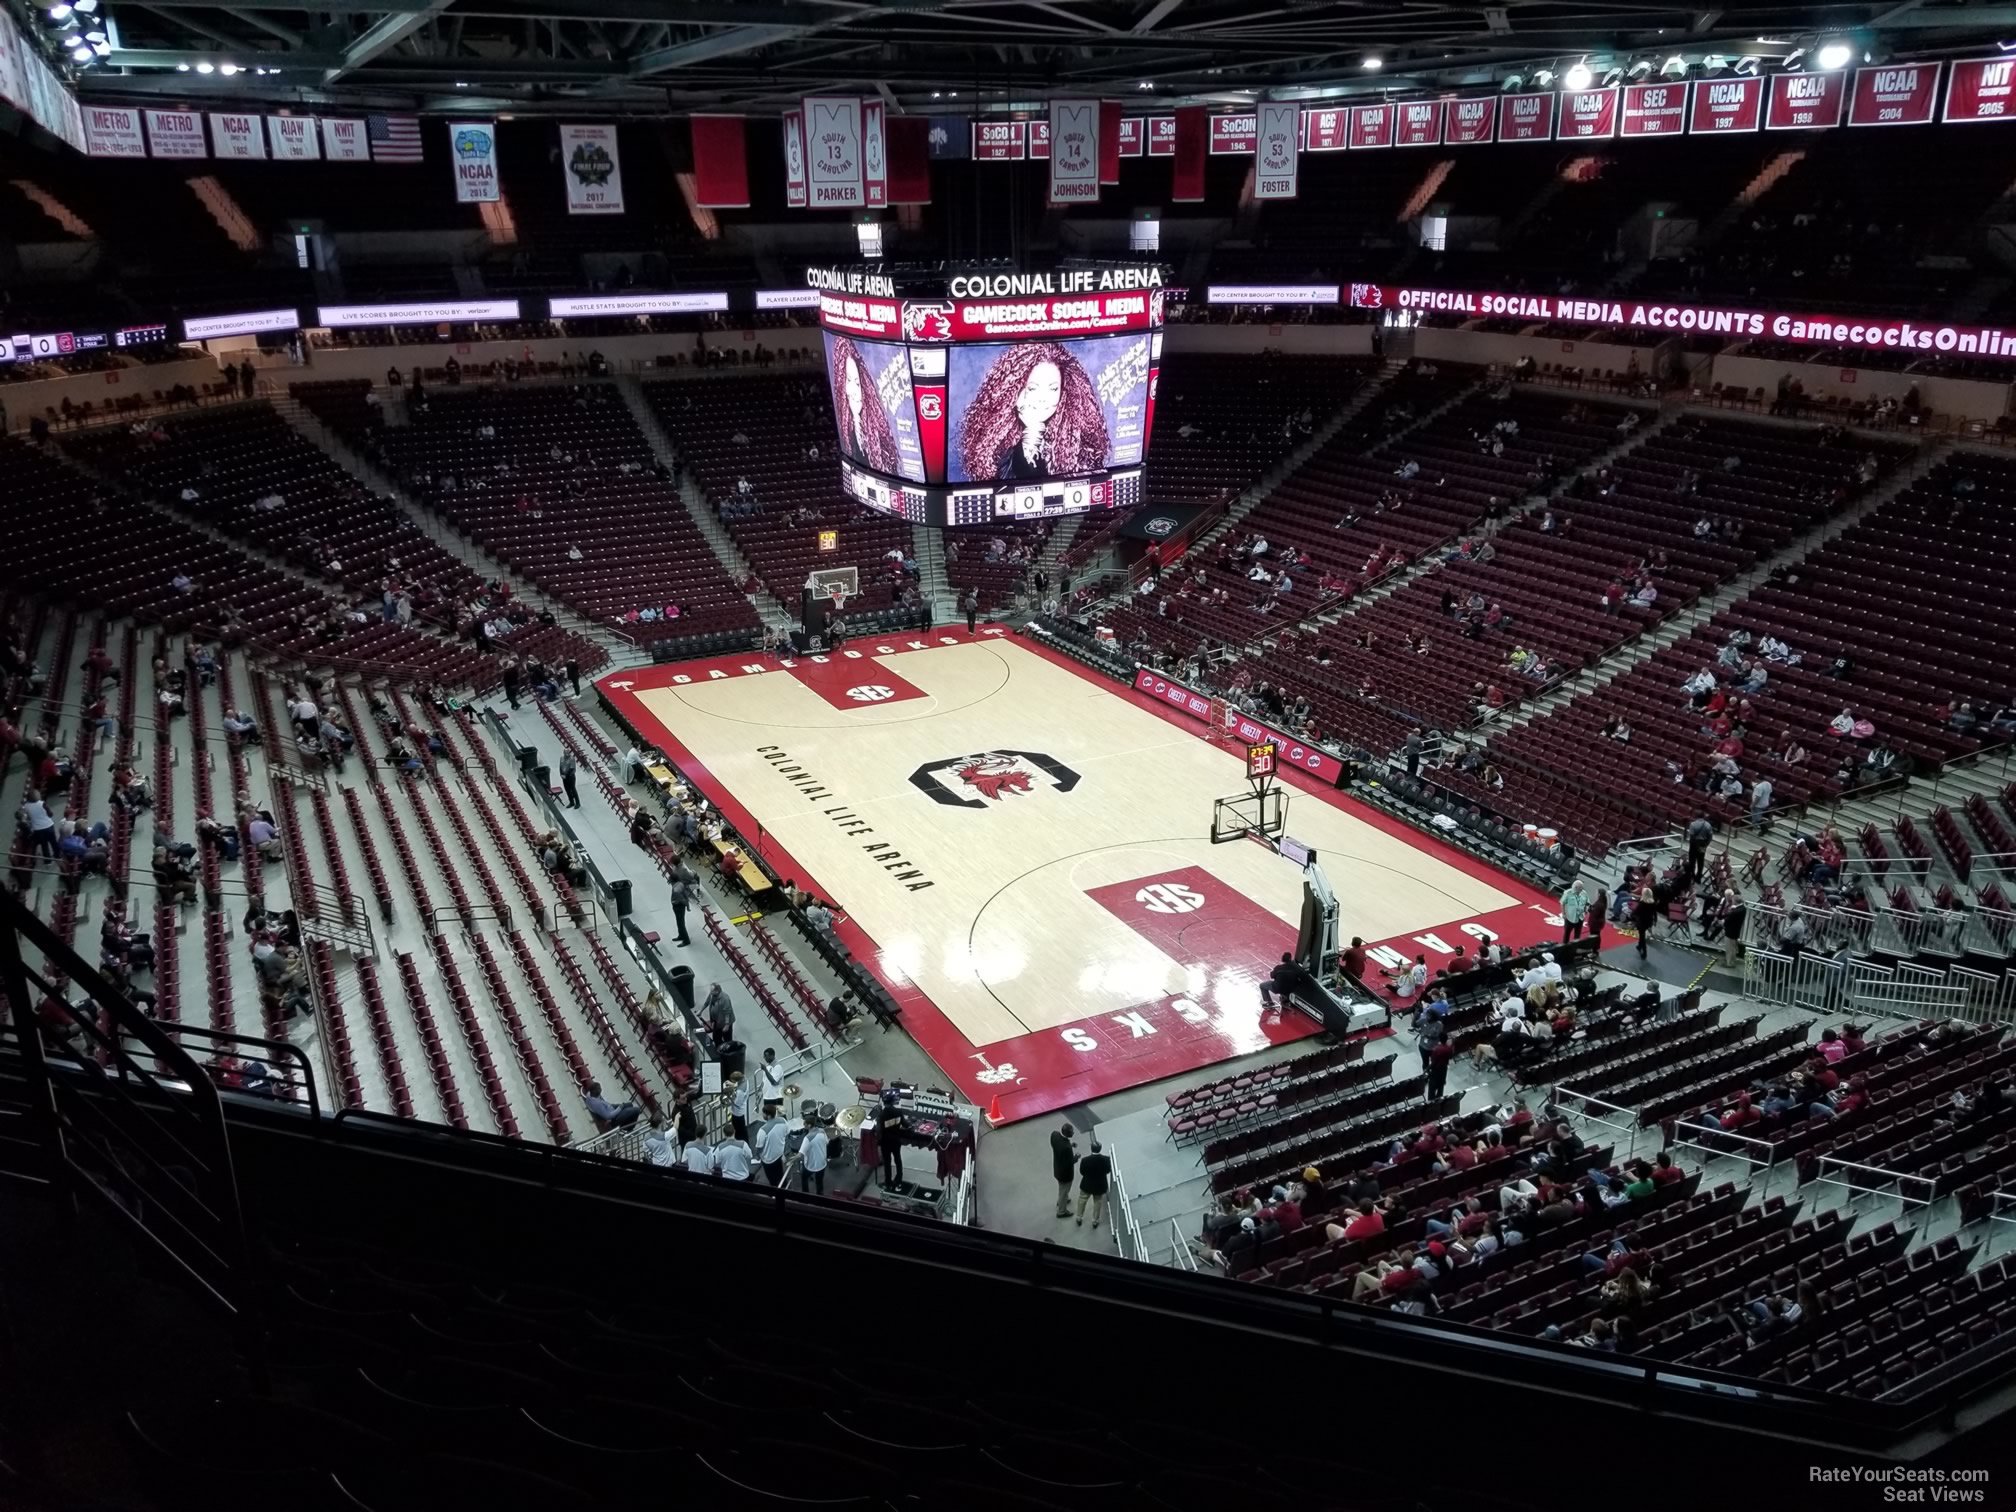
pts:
pixel 394 139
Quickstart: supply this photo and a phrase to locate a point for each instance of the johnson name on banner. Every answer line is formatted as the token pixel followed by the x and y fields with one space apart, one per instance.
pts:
pixel 238 136
pixel 594 169
pixel 1982 89
pixel 294 139
pixel 176 134
pixel 1275 148
pixel 1074 152
pixel 833 152
pixel 111 131
pixel 472 148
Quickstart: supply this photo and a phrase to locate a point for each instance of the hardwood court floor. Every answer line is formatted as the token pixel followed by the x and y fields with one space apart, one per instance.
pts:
pixel 1021 850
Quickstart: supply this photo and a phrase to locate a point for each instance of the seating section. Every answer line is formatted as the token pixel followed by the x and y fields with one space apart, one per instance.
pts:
pixel 1223 419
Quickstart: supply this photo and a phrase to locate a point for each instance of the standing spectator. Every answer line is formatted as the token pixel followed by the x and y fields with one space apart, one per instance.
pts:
pixel 1412 751
pixel 1699 833
pixel 1644 914
pixel 567 771
pixel 1437 1059
pixel 608 1115
pixel 812 1160
pixel 969 605
pixel 720 1016
pixel 774 1146
pixel 682 898
pixel 889 1134
pixel 1093 1172
pixel 36 821
pixel 733 1160
pixel 1734 912
pixel 574 674
pixel 1574 911
pixel 1599 905
pixel 1063 1166
pixel 512 679
pixel 770 1082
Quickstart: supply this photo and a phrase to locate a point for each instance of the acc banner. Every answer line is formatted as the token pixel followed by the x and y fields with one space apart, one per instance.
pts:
pixel 797 191
pixel 238 136
pixel 1274 150
pixel 875 152
pixel 176 134
pixel 720 164
pixel 1074 152
pixel 110 132
pixel 1327 130
pixel 472 148
pixel 1983 89
pixel 833 172
pixel 594 171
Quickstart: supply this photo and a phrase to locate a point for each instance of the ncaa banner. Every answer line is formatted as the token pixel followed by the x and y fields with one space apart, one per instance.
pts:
pixel 1982 89
pixel 1898 94
pixel 1418 123
pixel 472 148
pixel 1588 114
pixel 1469 122
pixel 875 152
pixel 1276 127
pixel 1721 105
pixel 833 168
pixel 797 192
pixel 1074 152
pixel 238 136
pixel 176 134
pixel 594 171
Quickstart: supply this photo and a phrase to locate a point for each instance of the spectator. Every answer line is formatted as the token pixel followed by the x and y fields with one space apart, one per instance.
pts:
pixel 812 1160
pixel 608 1115
pixel 1063 1166
pixel 1093 1173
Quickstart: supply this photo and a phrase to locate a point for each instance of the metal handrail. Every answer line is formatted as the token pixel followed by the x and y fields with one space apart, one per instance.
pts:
pixel 1589 1099
pixel 1895 1179
pixel 1709 1151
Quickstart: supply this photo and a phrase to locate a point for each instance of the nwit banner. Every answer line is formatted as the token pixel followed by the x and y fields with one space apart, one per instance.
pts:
pixel 1982 89
pixel 345 141
pixel 472 149
pixel 589 158
pixel 1653 110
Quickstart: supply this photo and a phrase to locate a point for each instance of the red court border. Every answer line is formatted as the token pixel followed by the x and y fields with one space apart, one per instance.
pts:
pixel 940 1038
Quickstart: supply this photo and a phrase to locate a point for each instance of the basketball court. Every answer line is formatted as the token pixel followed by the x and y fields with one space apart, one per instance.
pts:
pixel 1021 850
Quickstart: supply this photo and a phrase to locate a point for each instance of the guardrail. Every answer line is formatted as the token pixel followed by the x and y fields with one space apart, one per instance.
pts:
pixel 1725 1145
pixel 1630 1127
pixel 1892 1184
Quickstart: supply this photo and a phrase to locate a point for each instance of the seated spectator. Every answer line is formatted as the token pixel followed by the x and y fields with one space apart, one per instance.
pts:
pixel 608 1115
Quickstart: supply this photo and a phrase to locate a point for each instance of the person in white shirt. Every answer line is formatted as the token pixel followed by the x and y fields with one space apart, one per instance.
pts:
pixel 41 827
pixel 738 1106
pixel 1513 1007
pixel 812 1161
pixel 770 1078
pixel 774 1147
pixel 699 1159
pixel 732 1160
pixel 657 1146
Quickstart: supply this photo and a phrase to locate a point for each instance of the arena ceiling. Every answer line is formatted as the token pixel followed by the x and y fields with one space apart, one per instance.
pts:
pixel 650 56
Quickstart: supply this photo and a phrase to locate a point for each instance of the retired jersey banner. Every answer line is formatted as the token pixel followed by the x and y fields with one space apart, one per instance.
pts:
pixel 1588 115
pixel 1192 134
pixel 1074 152
pixel 833 169
pixel 797 192
pixel 1470 122
pixel 1327 130
pixel 238 136
pixel 1000 141
pixel 345 141
pixel 1805 101
pixel 594 171
pixel 1275 150
pixel 472 149
pixel 1898 94
pixel 1133 138
pixel 1526 118
pixel 1722 105
pixel 910 160
pixel 720 163
pixel 176 134
pixel 875 152
pixel 1983 89
pixel 1233 135
pixel 1162 136
pixel 294 139
pixel 1371 126
pixel 112 131
pixel 1109 142
pixel 1651 110
pixel 1417 123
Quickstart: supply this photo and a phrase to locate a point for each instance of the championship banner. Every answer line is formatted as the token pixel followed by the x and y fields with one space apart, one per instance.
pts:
pixel 1798 329
pixel 833 152
pixel 176 134
pixel 1469 122
pixel 1192 133
pixel 1039 140
pixel 999 142
pixel 797 193
pixel 294 139
pixel 910 160
pixel 874 153
pixel 1651 110
pixel 1133 138
pixel 1162 136
pixel 1418 123
pixel 720 163
pixel 1371 126
pixel 110 131
pixel 594 170
pixel 238 136
pixel 1526 118
pixel 1074 152
pixel 1275 150
pixel 1588 115
pixel 345 141
pixel 1234 135
pixel 1982 89
pixel 1326 130
pixel 1109 142
pixel 472 148
pixel 1723 105
pixel 1898 94
pixel 13 86
pixel 1805 101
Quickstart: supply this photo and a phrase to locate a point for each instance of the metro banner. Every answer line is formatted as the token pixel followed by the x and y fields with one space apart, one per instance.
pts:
pixel 1293 751
pixel 1683 319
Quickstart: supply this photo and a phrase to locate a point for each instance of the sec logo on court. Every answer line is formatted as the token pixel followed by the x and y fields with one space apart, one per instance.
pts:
pixel 871 693
pixel 1169 898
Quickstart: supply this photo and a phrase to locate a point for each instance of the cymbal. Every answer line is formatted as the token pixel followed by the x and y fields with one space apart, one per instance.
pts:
pixel 852 1118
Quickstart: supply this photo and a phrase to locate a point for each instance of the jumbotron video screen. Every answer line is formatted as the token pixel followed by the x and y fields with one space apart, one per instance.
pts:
pixel 1003 396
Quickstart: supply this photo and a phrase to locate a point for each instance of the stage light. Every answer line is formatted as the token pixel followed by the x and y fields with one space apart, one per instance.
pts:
pixel 1612 76
pixel 80 54
pixel 1674 67
pixel 227 69
pixel 1748 67
pixel 1641 68
pixel 59 13
pixel 204 68
pixel 102 49
pixel 1144 84
pixel 94 36
pixel 1543 78
pixel 1373 64
pixel 1835 55
pixel 1578 77
pixel 1512 82
pixel 86 7
pixel 181 68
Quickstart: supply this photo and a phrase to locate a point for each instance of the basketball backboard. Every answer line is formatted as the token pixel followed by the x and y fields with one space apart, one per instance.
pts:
pixel 1259 815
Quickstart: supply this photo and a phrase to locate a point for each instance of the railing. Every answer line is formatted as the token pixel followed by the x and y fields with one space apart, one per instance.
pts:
pixel 1181 1256
pixel 2001 1209
pixel 1126 1231
pixel 1805 981
pixel 1891 1184
pixel 449 916
pixel 1629 1127
pixel 1723 1144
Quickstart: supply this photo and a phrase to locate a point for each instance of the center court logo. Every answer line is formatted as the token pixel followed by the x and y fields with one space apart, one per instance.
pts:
pixel 871 693
pixel 990 777
pixel 1169 898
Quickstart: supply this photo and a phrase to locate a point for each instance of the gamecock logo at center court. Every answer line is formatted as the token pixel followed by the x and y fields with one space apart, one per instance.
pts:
pixel 989 777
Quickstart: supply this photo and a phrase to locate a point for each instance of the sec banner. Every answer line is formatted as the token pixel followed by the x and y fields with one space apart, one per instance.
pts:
pixel 1274 151
pixel 1654 110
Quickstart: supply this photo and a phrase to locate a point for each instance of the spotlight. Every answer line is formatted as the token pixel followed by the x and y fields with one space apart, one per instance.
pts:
pixel 1641 68
pixel 94 36
pixel 181 68
pixel 204 68
pixel 80 54
pixel 87 7
pixel 1512 82
pixel 102 49
pixel 1578 77
pixel 1144 84
pixel 1373 63
pixel 1612 76
pixel 1674 67
pixel 59 13
pixel 1747 67
pixel 1543 78
pixel 1835 55
pixel 227 69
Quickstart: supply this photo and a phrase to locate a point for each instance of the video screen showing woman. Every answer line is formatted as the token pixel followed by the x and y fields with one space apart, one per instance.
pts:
pixel 1048 409
pixel 873 407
